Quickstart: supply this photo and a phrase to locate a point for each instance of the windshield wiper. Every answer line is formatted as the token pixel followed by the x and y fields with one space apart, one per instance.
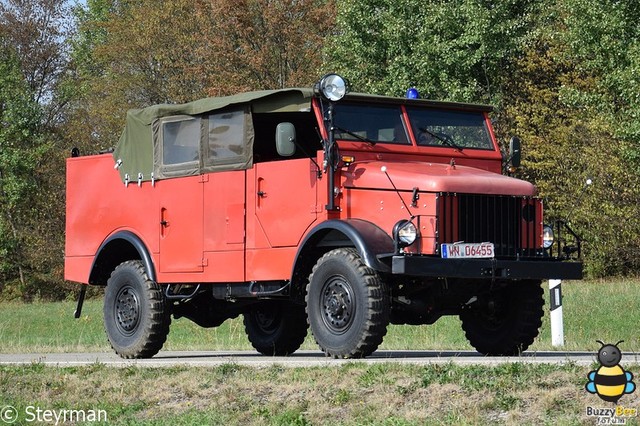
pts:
pixel 445 139
pixel 360 138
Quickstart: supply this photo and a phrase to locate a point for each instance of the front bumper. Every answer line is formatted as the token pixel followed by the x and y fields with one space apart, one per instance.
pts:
pixel 429 266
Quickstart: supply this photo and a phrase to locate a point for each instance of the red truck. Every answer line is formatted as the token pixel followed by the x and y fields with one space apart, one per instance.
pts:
pixel 320 208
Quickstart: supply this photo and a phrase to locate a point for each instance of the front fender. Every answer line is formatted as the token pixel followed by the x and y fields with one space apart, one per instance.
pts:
pixel 366 237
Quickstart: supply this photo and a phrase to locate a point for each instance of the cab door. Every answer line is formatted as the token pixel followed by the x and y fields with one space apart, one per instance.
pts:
pixel 286 200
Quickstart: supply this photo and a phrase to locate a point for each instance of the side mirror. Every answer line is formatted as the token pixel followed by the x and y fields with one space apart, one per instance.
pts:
pixel 514 151
pixel 286 139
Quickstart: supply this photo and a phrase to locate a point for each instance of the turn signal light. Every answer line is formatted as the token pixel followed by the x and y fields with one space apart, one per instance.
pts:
pixel 348 159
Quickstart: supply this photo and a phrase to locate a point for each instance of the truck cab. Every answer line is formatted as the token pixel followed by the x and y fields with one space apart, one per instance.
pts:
pixel 312 208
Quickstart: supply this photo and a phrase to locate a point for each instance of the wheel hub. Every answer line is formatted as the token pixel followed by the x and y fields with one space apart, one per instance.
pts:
pixel 494 313
pixel 267 321
pixel 337 304
pixel 127 310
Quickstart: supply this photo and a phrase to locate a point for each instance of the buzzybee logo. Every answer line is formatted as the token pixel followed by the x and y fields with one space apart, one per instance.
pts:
pixel 610 381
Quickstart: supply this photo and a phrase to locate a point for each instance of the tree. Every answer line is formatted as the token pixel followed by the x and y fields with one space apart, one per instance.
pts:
pixel 39 31
pixel 134 54
pixel 605 41
pixel 570 134
pixel 458 50
pixel 21 152
pixel 265 44
pixel 33 55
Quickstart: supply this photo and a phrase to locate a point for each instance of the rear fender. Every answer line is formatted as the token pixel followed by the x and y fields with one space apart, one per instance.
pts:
pixel 118 248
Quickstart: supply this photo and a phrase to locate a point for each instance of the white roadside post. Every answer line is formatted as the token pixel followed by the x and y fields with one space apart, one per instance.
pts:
pixel 557 327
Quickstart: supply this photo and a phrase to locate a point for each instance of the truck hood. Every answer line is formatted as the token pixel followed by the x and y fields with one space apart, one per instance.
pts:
pixel 433 177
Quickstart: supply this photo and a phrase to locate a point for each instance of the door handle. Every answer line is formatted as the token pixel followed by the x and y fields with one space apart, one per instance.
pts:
pixel 164 223
pixel 261 192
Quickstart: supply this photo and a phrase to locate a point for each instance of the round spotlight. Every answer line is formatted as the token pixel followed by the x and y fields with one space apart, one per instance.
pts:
pixel 405 233
pixel 547 236
pixel 332 87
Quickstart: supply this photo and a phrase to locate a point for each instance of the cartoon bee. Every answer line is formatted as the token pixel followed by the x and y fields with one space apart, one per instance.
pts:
pixel 610 381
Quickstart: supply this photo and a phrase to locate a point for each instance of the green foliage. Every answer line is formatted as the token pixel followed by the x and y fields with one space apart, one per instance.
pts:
pixel 457 50
pixel 605 43
pixel 571 134
pixel 22 150
pixel 33 59
pixel 134 54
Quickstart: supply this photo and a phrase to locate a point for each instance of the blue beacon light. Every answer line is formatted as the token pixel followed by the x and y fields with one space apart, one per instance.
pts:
pixel 413 93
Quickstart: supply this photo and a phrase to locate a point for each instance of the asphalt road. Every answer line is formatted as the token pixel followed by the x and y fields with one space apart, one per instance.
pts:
pixel 300 358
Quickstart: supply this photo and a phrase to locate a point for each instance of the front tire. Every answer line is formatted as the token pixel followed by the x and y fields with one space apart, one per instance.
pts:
pixel 505 322
pixel 276 328
pixel 347 305
pixel 136 314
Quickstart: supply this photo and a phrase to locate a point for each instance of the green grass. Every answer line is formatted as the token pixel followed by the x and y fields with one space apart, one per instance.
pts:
pixel 603 310
pixel 351 394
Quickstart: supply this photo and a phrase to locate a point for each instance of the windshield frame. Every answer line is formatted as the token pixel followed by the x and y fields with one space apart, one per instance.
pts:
pixel 407 104
pixel 429 153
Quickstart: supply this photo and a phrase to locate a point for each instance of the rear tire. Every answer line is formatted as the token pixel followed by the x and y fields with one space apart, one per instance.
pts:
pixel 347 305
pixel 276 328
pixel 136 314
pixel 506 321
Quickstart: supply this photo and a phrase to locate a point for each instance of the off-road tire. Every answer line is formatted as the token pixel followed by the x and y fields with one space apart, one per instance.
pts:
pixel 276 328
pixel 513 324
pixel 136 314
pixel 348 305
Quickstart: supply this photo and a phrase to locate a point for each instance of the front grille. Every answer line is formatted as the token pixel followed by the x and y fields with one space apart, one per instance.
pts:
pixel 512 224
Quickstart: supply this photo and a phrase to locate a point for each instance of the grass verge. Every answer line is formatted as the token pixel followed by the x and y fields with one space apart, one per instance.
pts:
pixel 352 394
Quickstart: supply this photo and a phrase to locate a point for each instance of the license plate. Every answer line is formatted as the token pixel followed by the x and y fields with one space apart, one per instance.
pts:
pixel 468 251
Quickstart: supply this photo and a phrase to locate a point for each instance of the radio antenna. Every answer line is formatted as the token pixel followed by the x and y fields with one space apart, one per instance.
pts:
pixel 383 169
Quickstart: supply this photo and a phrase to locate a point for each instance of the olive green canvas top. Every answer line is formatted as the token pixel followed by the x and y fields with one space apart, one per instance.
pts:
pixel 138 154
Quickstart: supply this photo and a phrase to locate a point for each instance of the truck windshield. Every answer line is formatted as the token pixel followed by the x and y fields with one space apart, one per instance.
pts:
pixel 431 127
pixel 371 123
pixel 459 129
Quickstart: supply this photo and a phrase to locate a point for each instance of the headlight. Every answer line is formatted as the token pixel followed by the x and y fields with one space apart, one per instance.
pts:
pixel 547 236
pixel 405 233
pixel 332 86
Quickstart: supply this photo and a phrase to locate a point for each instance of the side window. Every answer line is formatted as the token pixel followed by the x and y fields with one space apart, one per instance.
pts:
pixel 226 137
pixel 265 124
pixel 180 140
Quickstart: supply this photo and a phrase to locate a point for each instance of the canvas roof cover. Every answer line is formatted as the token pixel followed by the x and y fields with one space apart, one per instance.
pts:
pixel 136 154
